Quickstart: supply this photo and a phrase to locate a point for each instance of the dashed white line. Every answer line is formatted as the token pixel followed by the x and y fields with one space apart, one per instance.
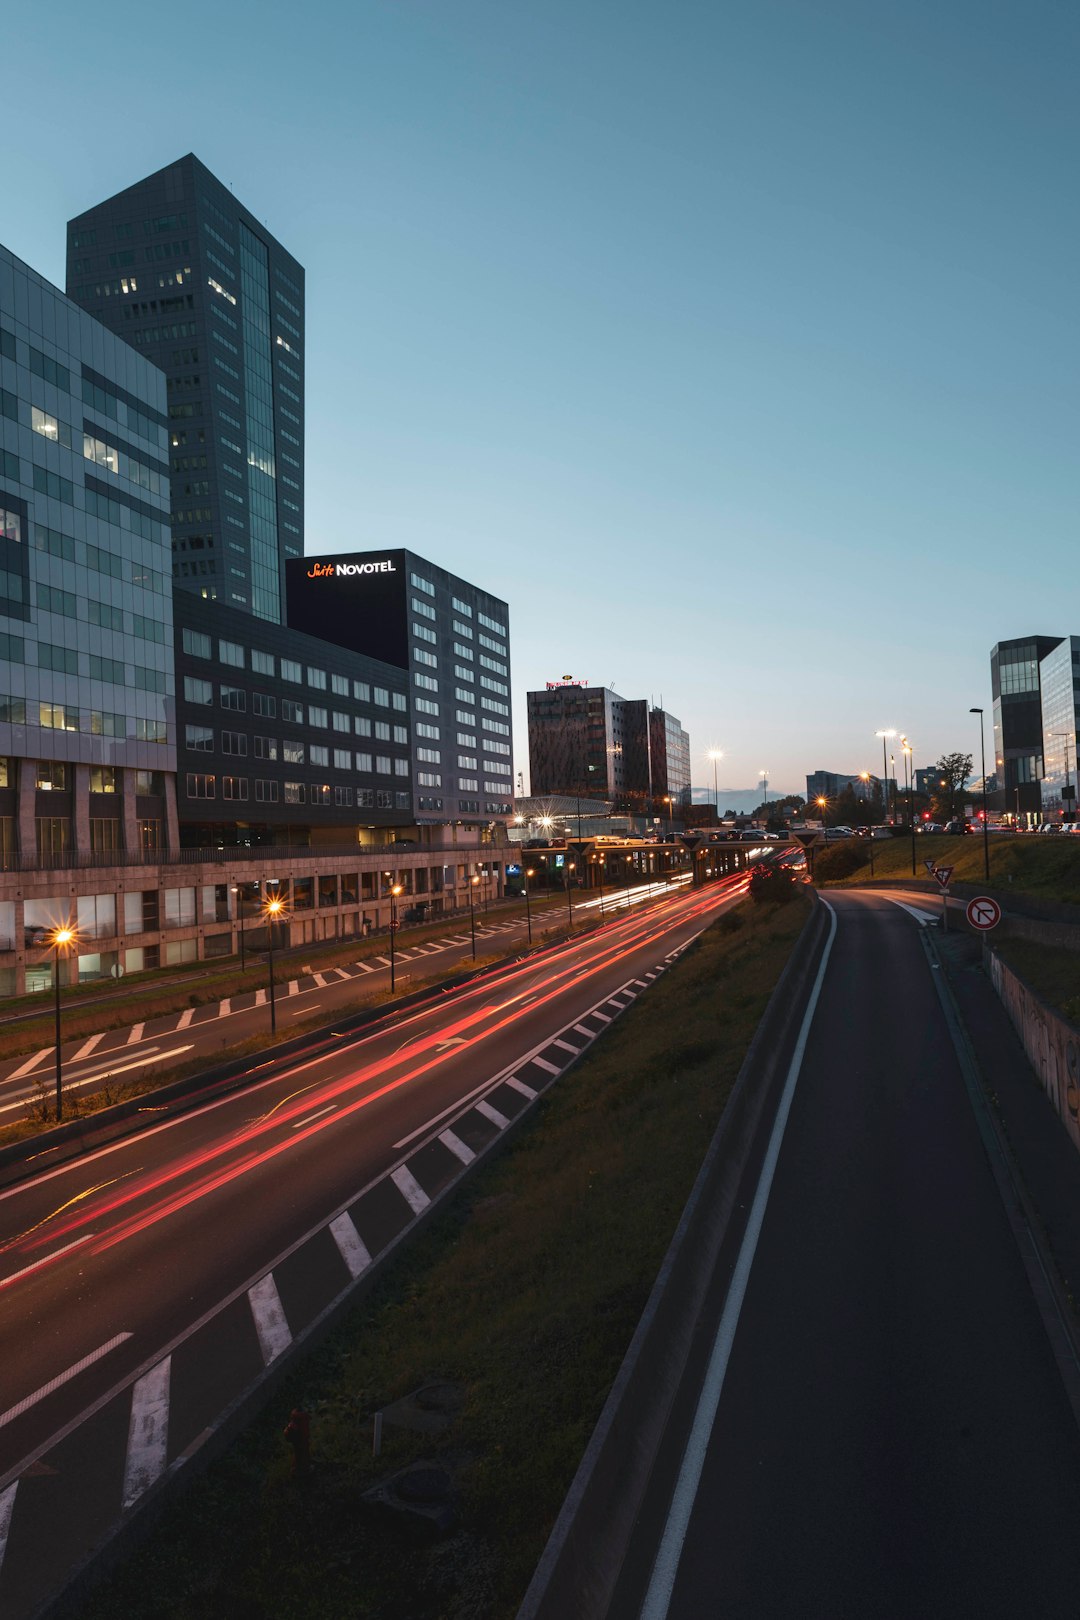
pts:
pixel 492 1113
pixel 551 1068
pixel 268 1314
pixel 185 1018
pixel 519 1085
pixel 351 1247
pixel 603 1017
pixel 61 1378
pixel 410 1189
pixel 318 981
pixel 329 1109
pixel 461 1150
pixel 44 1261
pixel 148 1432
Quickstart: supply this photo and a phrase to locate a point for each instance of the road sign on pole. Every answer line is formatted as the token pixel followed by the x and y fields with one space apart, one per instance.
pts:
pixel 929 867
pixel 983 912
pixel 943 875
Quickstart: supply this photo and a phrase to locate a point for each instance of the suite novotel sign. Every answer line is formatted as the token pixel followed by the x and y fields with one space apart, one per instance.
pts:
pixel 349 570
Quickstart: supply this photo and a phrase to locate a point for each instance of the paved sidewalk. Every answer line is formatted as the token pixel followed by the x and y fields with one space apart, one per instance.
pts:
pixel 1045 1158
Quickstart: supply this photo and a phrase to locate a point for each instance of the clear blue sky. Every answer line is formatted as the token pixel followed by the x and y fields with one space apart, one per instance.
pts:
pixel 734 342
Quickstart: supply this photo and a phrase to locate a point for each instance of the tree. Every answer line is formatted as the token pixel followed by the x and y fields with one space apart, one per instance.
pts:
pixel 951 774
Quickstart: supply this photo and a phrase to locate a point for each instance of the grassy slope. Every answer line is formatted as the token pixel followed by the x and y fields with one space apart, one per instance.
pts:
pixel 524 1292
pixel 1053 974
pixel 1043 866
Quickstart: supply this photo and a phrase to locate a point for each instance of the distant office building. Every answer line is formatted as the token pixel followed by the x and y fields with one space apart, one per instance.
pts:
pixel 1059 680
pixel 829 784
pixel 1016 688
pixel 451 641
pixel 588 740
pixel 179 269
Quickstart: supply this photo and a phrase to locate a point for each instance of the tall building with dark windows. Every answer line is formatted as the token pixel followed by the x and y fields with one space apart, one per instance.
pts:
pixel 1016 687
pixel 179 269
pixel 452 641
pixel 588 740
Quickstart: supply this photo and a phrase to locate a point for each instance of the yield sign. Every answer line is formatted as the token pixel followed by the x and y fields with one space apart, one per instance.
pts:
pixel 984 912
pixel 929 867
pixel 943 875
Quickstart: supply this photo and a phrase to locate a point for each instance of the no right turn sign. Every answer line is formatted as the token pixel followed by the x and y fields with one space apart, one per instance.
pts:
pixel 983 912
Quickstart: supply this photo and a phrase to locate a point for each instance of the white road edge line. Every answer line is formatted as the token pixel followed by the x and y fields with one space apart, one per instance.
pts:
pixel 665 1569
pixel 61 1378
pixel 351 1246
pixel 148 1432
pixel 268 1314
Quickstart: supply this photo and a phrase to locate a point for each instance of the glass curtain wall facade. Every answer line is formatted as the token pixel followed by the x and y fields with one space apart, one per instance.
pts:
pixel 184 273
pixel 87 695
pixel 1018 723
pixel 1059 679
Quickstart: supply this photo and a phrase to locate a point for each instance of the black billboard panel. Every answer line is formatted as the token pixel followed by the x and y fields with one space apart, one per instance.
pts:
pixel 357 600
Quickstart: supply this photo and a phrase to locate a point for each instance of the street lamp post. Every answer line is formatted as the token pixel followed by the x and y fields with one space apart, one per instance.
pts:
pixel 238 890
pixel 864 776
pixel 986 822
pixel 909 786
pixel 885 770
pixel 473 881
pixel 62 937
pixel 273 908
pixel 528 905
pixel 394 892
pixel 1066 792
pixel 568 868
pixel 714 755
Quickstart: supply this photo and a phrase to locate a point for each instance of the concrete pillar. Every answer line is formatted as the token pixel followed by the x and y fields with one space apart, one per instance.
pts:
pixel 128 814
pixel 27 833
pixel 172 824
pixel 80 810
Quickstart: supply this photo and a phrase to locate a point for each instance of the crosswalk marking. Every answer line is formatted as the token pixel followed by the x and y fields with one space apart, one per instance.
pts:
pixel 410 1189
pixel 589 1034
pixel 566 1046
pixel 268 1314
pixel 492 1113
pixel 224 1007
pixel 461 1150
pixel 260 998
pixel 551 1068
pixel 148 1432
pixel 385 960
pixel 351 1247
pixel 294 987
pixel 136 1034
pixel 87 1047
pixel 7 1507
pixel 318 981
pixel 519 1085
pixel 185 1019
pixel 365 967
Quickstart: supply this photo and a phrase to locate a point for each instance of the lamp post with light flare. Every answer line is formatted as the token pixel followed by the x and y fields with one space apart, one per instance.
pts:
pixel 529 872
pixel 62 938
pixel 986 824
pixel 272 910
pixel 885 770
pixel 473 881
pixel 568 869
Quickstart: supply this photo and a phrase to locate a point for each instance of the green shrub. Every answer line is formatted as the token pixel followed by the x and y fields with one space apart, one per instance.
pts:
pixel 840 860
pixel 774 885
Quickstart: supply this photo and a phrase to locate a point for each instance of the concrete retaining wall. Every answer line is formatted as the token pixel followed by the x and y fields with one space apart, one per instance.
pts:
pixel 1051 1042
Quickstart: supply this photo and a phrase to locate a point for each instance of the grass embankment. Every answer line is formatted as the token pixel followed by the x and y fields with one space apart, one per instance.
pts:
pixel 1053 973
pixel 214 982
pixel 1030 864
pixel 522 1294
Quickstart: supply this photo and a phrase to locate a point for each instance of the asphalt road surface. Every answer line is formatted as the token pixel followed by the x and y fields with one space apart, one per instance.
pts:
pixel 884 1431
pixel 144 1287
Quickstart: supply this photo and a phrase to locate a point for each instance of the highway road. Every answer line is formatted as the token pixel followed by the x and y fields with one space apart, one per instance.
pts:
pixel 121 1055
pixel 145 1286
pixel 874 1423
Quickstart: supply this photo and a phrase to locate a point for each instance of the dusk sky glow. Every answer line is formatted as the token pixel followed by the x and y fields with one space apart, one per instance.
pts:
pixel 733 344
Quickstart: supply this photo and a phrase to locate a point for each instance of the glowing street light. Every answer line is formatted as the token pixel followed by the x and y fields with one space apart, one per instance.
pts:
pixel 273 908
pixel 394 892
pixel 61 939
pixel 473 881
pixel 530 872
pixel 568 868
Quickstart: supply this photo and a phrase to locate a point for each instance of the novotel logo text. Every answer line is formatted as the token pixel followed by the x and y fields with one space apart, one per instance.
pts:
pixel 327 570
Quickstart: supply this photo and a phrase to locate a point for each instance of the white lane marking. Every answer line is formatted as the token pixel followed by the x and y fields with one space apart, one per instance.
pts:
pixel 410 1189
pixel 318 981
pixel 385 960
pixel 106 1074
pixel 7 1507
pixel 148 1432
pixel 44 1261
pixel 185 1019
pixel 260 998
pixel 589 1034
pixel 455 1040
pixel 86 1048
pixel 365 967
pixel 304 1012
pixel 603 1017
pixel 461 1150
pixel 268 1314
pixel 294 987
pixel 31 1063
pixel 136 1034
pixel 224 1007
pixel 352 1248
pixel 921 917
pixel 61 1378
pixel 519 1085
pixel 329 1109
pixel 485 1108
pixel 566 1047
pixel 551 1068
pixel 662 1581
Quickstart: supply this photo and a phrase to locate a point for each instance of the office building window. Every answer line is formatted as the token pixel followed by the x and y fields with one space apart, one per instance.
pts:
pixel 293 712
pixel 422 584
pixel 316 716
pixel 361 691
pixel 318 755
pixel 201 787
pixel 265 704
pixel 231 652
pixel 261 662
pixel 200 739
pixel 199 646
pixel 235 698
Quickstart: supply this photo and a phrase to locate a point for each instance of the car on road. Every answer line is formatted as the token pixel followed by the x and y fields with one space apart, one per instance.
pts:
pixel 929 827
pixel 958 827
pixel 1051 827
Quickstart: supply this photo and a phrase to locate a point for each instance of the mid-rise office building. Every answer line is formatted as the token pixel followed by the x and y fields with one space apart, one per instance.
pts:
pixel 179 269
pixel 1059 682
pixel 1016 687
pixel 588 740
pixel 450 641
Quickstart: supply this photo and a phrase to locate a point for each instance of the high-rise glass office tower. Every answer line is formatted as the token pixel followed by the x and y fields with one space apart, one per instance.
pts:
pixel 184 273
